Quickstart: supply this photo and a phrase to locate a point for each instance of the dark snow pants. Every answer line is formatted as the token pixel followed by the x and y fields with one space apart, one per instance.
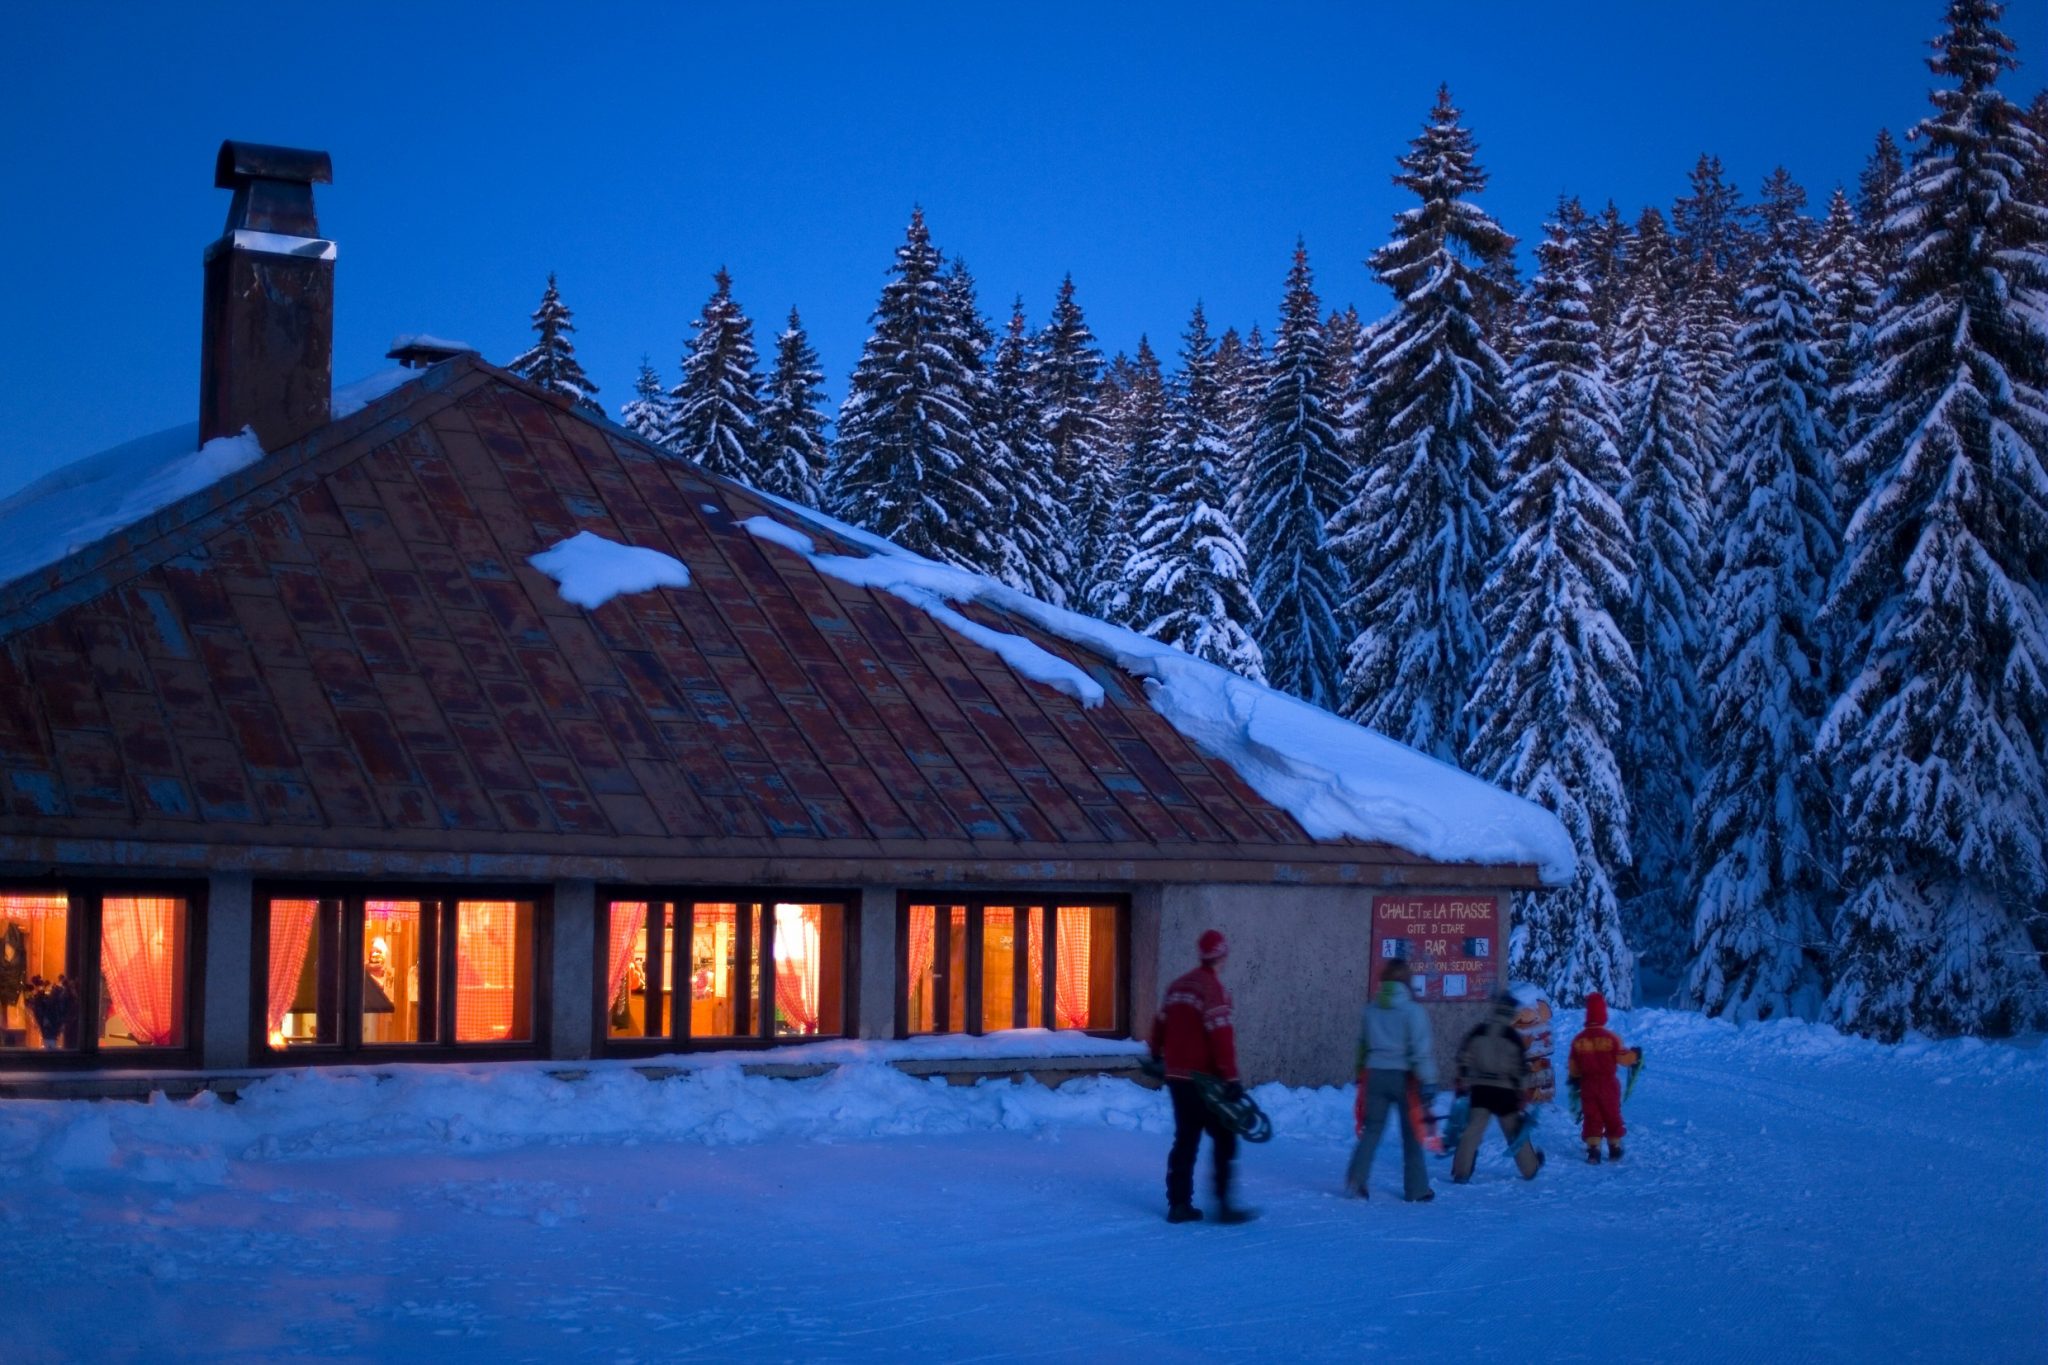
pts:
pixel 1475 1129
pixel 1388 1090
pixel 1191 1118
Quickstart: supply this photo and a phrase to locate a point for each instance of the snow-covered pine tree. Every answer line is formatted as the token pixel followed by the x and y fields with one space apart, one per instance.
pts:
pixel 1035 551
pixel 1844 278
pixel 1715 251
pixel 1142 432
pixel 1759 855
pixel 1664 500
pixel 1779 214
pixel 1189 583
pixel 1342 333
pixel 2037 119
pixel 1066 376
pixel 1880 176
pixel 910 459
pixel 1548 706
pixel 1936 742
pixel 794 455
pixel 1415 529
pixel 1708 223
pixel 716 408
pixel 1243 372
pixel 552 363
pixel 1295 485
pixel 1607 239
pixel 646 413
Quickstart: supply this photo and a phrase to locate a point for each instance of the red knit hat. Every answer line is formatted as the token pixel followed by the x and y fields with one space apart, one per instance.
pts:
pixel 1596 1010
pixel 1212 945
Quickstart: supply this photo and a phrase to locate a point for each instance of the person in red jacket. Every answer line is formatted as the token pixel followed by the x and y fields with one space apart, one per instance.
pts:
pixel 1597 1056
pixel 1192 1036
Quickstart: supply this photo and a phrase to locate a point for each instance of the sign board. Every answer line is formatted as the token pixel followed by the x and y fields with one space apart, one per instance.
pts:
pixel 1451 942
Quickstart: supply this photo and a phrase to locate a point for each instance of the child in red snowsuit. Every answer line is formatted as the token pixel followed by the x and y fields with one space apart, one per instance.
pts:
pixel 1597 1056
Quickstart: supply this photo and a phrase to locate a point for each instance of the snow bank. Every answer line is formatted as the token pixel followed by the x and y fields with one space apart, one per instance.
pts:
pixel 590 570
pixel 1334 777
pixel 86 500
pixel 320 1112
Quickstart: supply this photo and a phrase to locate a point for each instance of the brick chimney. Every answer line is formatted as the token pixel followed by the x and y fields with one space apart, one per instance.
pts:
pixel 266 358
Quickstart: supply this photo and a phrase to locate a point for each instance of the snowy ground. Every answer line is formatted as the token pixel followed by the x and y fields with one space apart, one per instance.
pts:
pixel 1790 1195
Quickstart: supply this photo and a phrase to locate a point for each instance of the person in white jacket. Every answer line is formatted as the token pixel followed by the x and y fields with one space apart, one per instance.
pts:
pixel 1393 1045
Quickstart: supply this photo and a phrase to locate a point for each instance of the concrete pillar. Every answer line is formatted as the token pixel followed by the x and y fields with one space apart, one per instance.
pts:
pixel 230 937
pixel 877 963
pixel 1145 968
pixel 574 974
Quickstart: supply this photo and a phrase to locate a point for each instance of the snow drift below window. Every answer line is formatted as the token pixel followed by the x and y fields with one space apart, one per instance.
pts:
pixel 89 499
pixel 1336 778
pixel 590 570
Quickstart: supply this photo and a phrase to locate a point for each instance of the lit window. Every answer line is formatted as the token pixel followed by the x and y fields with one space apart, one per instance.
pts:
pixel 39 1005
pixel 699 975
pixel 379 972
pixel 493 947
pixel 142 971
pixel 990 965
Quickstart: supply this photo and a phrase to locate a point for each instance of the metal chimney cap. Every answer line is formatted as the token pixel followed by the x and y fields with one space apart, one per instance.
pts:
pixel 241 162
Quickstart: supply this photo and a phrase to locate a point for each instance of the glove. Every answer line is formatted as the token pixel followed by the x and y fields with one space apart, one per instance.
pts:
pixel 1572 1095
pixel 1233 1091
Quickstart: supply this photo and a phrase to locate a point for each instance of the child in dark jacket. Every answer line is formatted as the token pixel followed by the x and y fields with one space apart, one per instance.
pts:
pixel 1597 1057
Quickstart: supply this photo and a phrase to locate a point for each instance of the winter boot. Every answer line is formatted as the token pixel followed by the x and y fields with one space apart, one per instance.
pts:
pixel 1183 1213
pixel 1540 1159
pixel 1613 1150
pixel 1232 1213
pixel 1592 1154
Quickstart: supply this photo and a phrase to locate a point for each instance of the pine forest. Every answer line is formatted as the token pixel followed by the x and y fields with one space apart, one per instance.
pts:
pixel 1723 535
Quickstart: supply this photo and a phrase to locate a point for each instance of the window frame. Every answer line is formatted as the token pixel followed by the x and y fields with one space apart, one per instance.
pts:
pixel 349 1049
pixel 759 1005
pixel 84 912
pixel 977 902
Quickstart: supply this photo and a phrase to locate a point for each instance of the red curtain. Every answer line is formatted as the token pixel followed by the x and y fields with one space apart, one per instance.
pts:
pixel 291 926
pixel 796 965
pixel 923 920
pixel 140 939
pixel 628 917
pixel 1070 986
pixel 485 969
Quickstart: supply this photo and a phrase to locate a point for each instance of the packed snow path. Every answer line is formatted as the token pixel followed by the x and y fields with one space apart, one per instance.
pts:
pixel 1789 1195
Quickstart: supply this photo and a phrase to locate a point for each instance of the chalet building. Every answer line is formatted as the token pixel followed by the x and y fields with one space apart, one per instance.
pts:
pixel 315 764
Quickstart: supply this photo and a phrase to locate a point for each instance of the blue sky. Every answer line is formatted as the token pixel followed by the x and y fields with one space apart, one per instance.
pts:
pixel 1160 153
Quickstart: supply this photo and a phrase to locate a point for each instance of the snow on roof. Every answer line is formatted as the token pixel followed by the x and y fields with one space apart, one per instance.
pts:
pixel 590 570
pixel 1338 779
pixel 900 575
pixel 428 341
pixel 86 500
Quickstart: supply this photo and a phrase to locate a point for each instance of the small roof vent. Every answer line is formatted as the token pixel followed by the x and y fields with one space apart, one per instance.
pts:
pixel 418 350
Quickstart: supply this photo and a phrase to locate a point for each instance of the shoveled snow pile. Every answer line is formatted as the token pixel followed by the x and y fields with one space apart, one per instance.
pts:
pixel 89 499
pixel 1336 778
pixel 590 570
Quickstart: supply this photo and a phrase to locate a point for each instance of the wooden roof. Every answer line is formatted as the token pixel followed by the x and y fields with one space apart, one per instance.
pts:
pixel 339 659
